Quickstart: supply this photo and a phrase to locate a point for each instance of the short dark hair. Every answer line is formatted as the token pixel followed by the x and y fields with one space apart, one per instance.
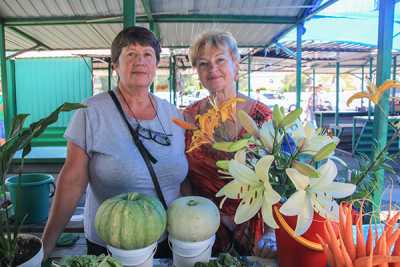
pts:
pixel 134 35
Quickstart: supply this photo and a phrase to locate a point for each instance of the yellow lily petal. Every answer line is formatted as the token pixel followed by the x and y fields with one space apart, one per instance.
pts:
pixel 248 207
pixel 183 124
pixel 382 88
pixel 357 96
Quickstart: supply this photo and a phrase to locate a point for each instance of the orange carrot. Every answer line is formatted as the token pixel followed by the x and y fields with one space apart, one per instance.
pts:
pixel 342 218
pixel 384 250
pixel 360 248
pixel 377 260
pixel 396 252
pixel 327 251
pixel 391 222
pixel 335 245
pixel 348 235
pixel 346 257
pixel 393 237
pixel 369 241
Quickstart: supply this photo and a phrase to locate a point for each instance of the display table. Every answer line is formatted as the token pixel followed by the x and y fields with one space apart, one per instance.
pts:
pixel 79 248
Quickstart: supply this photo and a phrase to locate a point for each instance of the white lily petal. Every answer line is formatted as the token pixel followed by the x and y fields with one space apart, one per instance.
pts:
pixel 267 215
pixel 309 130
pixel 234 190
pixel 314 144
pixel 267 135
pixel 294 204
pixel 328 173
pixel 299 180
pixel 270 194
pixel 305 218
pixel 262 167
pixel 326 206
pixel 337 190
pixel 248 208
pixel 242 173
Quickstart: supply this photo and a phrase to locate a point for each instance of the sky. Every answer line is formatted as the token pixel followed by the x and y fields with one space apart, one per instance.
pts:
pixel 348 20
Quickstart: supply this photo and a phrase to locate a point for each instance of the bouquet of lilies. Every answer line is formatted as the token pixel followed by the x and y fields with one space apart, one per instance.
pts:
pixel 274 163
pixel 278 163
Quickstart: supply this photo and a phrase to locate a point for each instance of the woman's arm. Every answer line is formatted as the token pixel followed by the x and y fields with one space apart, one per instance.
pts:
pixel 71 183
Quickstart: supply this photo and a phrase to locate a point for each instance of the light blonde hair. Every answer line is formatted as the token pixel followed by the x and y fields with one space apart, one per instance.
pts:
pixel 216 39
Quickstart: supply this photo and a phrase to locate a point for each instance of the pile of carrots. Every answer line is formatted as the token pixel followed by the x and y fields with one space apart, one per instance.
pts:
pixel 342 251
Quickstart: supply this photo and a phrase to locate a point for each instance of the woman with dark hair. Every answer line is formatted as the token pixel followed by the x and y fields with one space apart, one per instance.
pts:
pixel 102 157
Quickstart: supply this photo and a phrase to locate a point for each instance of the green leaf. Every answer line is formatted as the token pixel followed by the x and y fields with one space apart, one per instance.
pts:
pixel 277 115
pixel 291 117
pixel 231 146
pixel 305 169
pixel 17 124
pixel 325 152
pixel 223 164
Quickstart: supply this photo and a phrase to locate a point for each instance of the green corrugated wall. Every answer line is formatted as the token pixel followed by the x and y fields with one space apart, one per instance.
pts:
pixel 42 84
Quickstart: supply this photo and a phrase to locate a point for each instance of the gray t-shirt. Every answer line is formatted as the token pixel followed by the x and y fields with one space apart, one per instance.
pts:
pixel 115 164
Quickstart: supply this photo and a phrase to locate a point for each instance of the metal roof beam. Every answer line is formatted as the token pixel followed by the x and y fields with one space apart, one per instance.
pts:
pixel 303 19
pixel 171 18
pixel 30 38
pixel 149 14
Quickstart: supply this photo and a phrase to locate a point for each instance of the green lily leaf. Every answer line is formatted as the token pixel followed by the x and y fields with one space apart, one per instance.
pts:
pixel 305 169
pixel 325 152
pixel 231 146
pixel 277 115
pixel 291 117
pixel 223 164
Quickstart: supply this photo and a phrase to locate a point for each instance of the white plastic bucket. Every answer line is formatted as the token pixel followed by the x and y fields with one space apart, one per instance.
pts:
pixel 137 257
pixel 186 254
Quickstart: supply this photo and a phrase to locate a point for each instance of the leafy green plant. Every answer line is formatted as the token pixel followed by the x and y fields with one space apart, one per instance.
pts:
pixel 20 138
pixel 88 261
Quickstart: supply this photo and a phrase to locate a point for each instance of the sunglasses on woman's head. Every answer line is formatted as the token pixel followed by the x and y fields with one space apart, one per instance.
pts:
pixel 158 137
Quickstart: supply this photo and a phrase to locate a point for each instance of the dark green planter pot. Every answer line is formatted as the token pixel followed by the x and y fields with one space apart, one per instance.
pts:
pixel 30 195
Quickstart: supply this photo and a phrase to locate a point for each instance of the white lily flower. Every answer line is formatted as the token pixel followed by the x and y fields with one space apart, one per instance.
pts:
pixel 312 140
pixel 254 189
pixel 267 133
pixel 315 194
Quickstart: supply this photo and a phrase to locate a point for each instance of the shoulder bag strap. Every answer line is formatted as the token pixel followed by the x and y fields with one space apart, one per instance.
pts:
pixel 148 158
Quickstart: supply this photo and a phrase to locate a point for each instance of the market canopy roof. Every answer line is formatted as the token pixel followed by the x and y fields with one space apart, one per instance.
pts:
pixel 92 24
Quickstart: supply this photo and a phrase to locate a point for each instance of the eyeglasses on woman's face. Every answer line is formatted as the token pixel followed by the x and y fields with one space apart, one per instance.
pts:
pixel 158 137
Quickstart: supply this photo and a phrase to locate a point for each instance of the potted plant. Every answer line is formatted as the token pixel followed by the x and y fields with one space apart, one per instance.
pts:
pixel 18 249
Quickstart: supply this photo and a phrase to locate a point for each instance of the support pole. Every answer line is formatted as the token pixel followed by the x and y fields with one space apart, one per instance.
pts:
pixel 249 76
pixel 385 42
pixel 393 102
pixel 337 96
pixel 300 31
pixel 109 75
pixel 7 98
pixel 362 84
pixel 370 80
pixel 313 90
pixel 129 13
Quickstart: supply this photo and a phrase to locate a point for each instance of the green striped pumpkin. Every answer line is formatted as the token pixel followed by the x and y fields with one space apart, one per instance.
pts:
pixel 130 221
